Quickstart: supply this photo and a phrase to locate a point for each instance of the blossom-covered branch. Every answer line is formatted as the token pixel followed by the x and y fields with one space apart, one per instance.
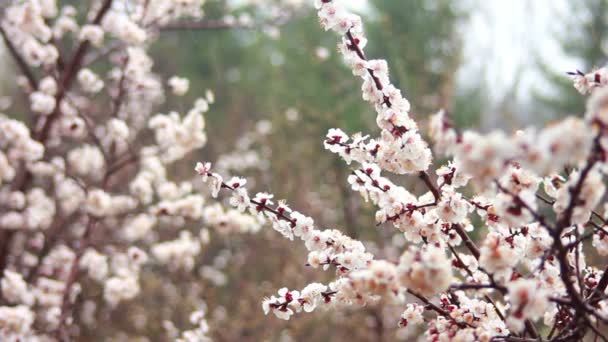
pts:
pixel 525 254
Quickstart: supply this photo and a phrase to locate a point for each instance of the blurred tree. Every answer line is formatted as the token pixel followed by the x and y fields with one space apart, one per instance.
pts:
pixel 585 38
pixel 422 45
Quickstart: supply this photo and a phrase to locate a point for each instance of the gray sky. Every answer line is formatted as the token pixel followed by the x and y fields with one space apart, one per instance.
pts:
pixel 505 38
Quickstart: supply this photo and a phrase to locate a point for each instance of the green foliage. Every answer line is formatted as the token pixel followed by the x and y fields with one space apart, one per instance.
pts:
pixel 423 48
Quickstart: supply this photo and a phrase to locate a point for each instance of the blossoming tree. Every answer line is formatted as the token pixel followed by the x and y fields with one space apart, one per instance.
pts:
pixel 86 197
pixel 538 194
pixel 500 247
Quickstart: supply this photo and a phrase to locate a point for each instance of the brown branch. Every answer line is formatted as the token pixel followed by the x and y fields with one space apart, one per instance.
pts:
pixel 68 77
pixel 467 240
pixel 590 222
pixel 48 244
pixel 117 103
pixel 470 273
pixel 348 212
pixel 564 221
pixel 119 164
pixel 73 275
pixel 430 185
pixel 94 56
pixel 518 201
pixel 437 309
pixel 600 288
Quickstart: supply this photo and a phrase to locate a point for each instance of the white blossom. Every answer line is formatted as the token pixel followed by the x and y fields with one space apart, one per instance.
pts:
pixel 179 85
pixel 527 302
pixel 92 33
pixel 426 270
pixel 42 103
pixel 89 81
pixel 15 289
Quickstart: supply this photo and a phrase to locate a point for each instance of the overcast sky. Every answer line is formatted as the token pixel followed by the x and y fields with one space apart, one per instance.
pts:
pixel 508 35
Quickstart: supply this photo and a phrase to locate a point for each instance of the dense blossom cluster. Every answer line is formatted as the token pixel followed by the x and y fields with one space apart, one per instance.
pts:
pixel 536 201
pixel 85 195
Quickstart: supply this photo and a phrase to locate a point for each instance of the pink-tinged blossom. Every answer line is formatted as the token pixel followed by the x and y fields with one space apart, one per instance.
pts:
pixel 425 270
pixel 412 315
pixel 592 190
pixel 203 169
pixel 527 302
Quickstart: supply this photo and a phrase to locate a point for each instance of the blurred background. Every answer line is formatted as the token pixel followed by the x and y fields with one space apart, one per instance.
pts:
pixel 279 87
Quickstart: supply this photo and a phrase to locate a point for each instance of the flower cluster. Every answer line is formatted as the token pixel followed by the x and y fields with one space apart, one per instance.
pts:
pixel 586 83
pixel 326 247
pixel 536 195
pixel 426 271
pixel 527 301
pixel 400 147
pixel 87 203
